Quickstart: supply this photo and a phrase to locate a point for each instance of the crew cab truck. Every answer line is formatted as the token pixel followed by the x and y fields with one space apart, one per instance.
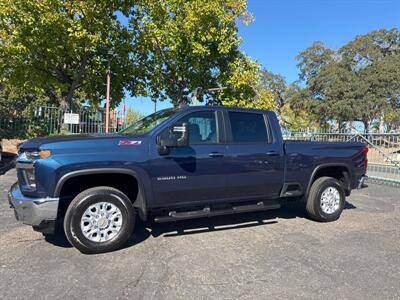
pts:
pixel 178 164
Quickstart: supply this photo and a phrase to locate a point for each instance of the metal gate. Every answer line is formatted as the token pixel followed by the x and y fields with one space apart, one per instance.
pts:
pixel 383 154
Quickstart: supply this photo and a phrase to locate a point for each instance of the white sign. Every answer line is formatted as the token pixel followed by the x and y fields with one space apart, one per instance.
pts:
pixel 71 118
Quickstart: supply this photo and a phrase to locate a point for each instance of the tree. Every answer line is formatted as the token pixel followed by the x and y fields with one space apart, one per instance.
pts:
pixel 358 82
pixel 375 58
pixel 340 90
pixel 60 50
pixel 192 45
pixel 288 100
pixel 132 116
pixel 311 61
pixel 300 110
pixel 242 80
pixel 276 84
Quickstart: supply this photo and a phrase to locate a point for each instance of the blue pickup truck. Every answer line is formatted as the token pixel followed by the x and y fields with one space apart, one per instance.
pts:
pixel 178 164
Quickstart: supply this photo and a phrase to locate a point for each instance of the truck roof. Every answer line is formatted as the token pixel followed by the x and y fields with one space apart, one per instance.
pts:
pixel 217 107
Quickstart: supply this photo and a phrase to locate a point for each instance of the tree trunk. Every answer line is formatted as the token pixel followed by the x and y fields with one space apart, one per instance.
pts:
pixel 67 97
pixel 64 104
pixel 367 125
pixel 382 122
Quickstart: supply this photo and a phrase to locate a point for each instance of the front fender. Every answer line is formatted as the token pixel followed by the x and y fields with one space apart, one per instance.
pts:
pixel 144 195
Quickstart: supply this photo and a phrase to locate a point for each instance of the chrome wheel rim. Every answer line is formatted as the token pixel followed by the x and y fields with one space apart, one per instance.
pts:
pixel 330 200
pixel 101 222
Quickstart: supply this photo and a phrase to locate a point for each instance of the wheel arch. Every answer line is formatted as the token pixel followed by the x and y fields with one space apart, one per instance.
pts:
pixel 140 203
pixel 329 167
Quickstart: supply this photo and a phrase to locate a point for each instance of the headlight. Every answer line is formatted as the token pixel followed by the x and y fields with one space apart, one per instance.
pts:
pixel 26 174
pixel 27 156
pixel 25 163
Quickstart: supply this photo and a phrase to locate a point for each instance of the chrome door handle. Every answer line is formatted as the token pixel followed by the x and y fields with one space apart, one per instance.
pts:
pixel 272 153
pixel 216 154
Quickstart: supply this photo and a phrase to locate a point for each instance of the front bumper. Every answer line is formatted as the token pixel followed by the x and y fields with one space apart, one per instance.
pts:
pixel 32 211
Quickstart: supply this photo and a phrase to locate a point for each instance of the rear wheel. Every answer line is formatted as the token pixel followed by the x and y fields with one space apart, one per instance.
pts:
pixel 326 199
pixel 100 219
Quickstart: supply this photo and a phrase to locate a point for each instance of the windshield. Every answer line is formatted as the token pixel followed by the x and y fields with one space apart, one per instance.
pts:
pixel 148 123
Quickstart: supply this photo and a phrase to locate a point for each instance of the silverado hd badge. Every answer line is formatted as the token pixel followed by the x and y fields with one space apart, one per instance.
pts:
pixel 129 143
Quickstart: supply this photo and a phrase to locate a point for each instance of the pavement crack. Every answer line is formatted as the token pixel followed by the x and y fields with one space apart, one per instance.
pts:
pixel 135 283
pixel 27 241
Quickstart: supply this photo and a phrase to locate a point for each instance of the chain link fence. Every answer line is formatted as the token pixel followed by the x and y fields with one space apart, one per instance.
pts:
pixel 383 154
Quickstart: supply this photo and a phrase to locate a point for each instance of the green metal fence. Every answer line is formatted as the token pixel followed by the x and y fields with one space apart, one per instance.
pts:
pixel 383 154
pixel 12 127
pixel 49 120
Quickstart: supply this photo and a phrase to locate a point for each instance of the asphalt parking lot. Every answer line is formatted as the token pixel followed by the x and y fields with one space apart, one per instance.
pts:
pixel 275 254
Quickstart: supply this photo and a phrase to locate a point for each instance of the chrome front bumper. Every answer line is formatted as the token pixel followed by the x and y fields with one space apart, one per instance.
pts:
pixel 32 211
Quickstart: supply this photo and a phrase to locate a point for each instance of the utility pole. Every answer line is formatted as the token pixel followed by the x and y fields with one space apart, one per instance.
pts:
pixel 108 97
pixel 110 55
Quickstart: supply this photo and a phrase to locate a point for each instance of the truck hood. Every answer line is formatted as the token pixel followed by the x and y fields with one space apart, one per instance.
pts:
pixel 36 143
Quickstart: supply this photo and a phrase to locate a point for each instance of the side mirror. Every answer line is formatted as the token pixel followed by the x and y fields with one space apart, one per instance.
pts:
pixel 174 137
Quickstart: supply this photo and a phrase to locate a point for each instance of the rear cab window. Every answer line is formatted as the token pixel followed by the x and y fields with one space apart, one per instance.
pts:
pixel 248 127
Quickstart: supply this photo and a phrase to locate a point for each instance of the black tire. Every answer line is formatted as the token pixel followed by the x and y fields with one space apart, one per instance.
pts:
pixel 313 206
pixel 79 205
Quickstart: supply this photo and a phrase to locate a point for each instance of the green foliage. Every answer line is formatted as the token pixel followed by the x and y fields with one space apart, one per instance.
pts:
pixel 312 60
pixel 16 108
pixel 297 119
pixel 392 119
pixel 295 105
pixel 243 86
pixel 58 50
pixel 132 116
pixel 358 82
pixel 192 45
pixel 276 84
pixel 300 109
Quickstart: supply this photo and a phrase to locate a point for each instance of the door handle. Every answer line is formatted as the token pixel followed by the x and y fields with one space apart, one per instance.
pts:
pixel 272 153
pixel 216 154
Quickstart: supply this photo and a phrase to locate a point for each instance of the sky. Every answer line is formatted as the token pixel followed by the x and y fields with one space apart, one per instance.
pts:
pixel 283 28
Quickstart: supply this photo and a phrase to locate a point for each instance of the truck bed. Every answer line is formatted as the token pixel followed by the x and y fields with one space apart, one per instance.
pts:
pixel 303 158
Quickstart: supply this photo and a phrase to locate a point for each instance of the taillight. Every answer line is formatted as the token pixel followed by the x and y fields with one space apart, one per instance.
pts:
pixel 365 151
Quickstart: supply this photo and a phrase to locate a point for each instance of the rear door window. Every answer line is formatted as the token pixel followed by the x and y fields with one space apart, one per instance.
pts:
pixel 248 127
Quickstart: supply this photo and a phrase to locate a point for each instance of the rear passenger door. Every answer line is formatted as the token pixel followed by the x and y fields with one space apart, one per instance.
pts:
pixel 254 160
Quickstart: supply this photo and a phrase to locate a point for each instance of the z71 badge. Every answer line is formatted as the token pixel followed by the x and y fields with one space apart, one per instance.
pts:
pixel 129 143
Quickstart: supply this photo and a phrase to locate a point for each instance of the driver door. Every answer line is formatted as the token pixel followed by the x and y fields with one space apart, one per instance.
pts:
pixel 195 173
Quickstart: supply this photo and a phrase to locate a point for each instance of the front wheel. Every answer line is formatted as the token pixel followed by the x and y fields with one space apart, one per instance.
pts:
pixel 326 199
pixel 99 219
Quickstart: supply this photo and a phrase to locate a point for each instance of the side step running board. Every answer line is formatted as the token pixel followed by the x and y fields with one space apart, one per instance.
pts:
pixel 208 212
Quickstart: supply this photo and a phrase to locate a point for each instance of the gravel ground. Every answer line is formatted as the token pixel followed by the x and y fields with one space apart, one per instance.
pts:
pixel 276 254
